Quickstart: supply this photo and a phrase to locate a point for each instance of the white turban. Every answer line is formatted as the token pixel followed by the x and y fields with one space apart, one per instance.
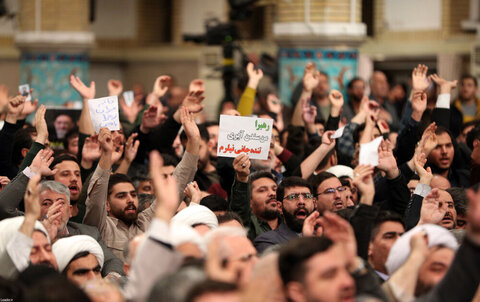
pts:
pixel 341 170
pixel 180 234
pixel 196 214
pixel 400 250
pixel 8 228
pixel 65 249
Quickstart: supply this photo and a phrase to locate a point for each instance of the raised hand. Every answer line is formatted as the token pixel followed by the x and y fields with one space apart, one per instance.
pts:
pixel 419 78
pixel 31 198
pixel 386 160
pixel 433 209
pixel 254 76
pixel 15 106
pixel 419 160
pixel 312 225
pixel 419 104
pixel 165 188
pixel 273 103
pixel 115 87
pixel 86 92
pixel 309 112
pixel 340 231
pixel 327 140
pixel 106 141
pixel 41 125
pixel 363 180
pixel 193 101
pixel 241 165
pixel 131 148
pixel 311 77
pixel 429 140
pixel 160 86
pixel 445 86
pixel 91 149
pixel 151 119
pixel 336 98
pixel 192 191
pixel 52 219
pixel 28 109
pixel 196 85
pixel 41 163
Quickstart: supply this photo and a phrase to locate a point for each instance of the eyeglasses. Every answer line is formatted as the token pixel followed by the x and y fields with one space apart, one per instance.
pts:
pixel 296 196
pixel 332 190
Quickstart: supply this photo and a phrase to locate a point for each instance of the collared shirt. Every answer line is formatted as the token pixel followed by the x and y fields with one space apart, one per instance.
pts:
pixel 114 232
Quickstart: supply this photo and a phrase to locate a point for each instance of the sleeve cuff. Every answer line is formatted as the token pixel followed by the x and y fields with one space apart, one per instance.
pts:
pixel 28 172
pixel 422 190
pixel 443 101
pixel 159 230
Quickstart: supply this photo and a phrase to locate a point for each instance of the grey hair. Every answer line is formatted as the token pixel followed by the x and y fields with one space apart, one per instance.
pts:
pixel 220 233
pixel 56 187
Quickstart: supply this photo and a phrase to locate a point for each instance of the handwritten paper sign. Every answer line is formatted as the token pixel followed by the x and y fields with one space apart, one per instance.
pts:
pixel 128 97
pixel 369 152
pixel 239 134
pixel 104 113
pixel 338 133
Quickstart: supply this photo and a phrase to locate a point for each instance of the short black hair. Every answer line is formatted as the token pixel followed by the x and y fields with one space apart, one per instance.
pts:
pixel 319 178
pixel 384 216
pixel 262 174
pixel 289 182
pixel 210 286
pixel 210 123
pixel 352 81
pixel 292 258
pixel 70 134
pixel 471 77
pixel 214 203
pixel 117 178
pixel 229 216
pixel 169 160
pixel 62 158
pixel 21 139
pixel 460 200
pixel 472 135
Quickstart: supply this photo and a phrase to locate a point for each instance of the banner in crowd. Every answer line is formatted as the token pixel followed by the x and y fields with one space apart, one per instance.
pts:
pixel 249 135
pixel 335 63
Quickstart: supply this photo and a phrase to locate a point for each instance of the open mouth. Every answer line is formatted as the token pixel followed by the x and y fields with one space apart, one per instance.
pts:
pixel 73 189
pixel 272 200
pixel 338 204
pixel 301 214
pixel 444 160
pixel 131 209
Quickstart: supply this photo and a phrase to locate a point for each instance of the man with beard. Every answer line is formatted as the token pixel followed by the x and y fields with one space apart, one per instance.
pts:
pixel 355 92
pixel 441 157
pixel 298 202
pixel 118 219
pixel 329 191
pixel 254 199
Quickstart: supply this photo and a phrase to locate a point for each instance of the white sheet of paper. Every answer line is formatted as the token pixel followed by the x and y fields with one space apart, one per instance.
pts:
pixel 338 133
pixel 24 90
pixel 104 113
pixel 240 134
pixel 369 152
pixel 128 97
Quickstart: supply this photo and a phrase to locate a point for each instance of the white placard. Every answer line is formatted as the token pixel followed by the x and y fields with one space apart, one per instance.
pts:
pixel 104 113
pixel 369 152
pixel 239 134
pixel 128 97
pixel 24 90
pixel 338 133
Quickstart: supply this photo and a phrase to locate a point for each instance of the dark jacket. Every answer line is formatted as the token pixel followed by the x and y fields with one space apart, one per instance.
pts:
pixel 280 235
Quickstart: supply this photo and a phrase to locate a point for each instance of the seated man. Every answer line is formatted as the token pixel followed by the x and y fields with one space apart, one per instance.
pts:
pixel 79 257
pixel 254 198
pixel 118 219
pixel 328 189
pixel 298 202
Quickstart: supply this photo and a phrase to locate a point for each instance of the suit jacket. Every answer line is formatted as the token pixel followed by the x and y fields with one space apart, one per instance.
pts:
pixel 11 197
pixel 280 235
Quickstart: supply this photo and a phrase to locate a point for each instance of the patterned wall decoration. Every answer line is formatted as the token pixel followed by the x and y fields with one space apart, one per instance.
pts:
pixel 48 74
pixel 292 63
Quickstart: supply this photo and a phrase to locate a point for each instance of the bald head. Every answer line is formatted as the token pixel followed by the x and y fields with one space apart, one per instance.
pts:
pixel 440 182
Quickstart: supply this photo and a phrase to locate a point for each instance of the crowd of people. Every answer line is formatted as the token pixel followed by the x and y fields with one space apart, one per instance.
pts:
pixel 151 212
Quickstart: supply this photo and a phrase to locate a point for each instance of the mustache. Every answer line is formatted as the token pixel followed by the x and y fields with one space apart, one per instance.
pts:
pixel 129 207
pixel 307 212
